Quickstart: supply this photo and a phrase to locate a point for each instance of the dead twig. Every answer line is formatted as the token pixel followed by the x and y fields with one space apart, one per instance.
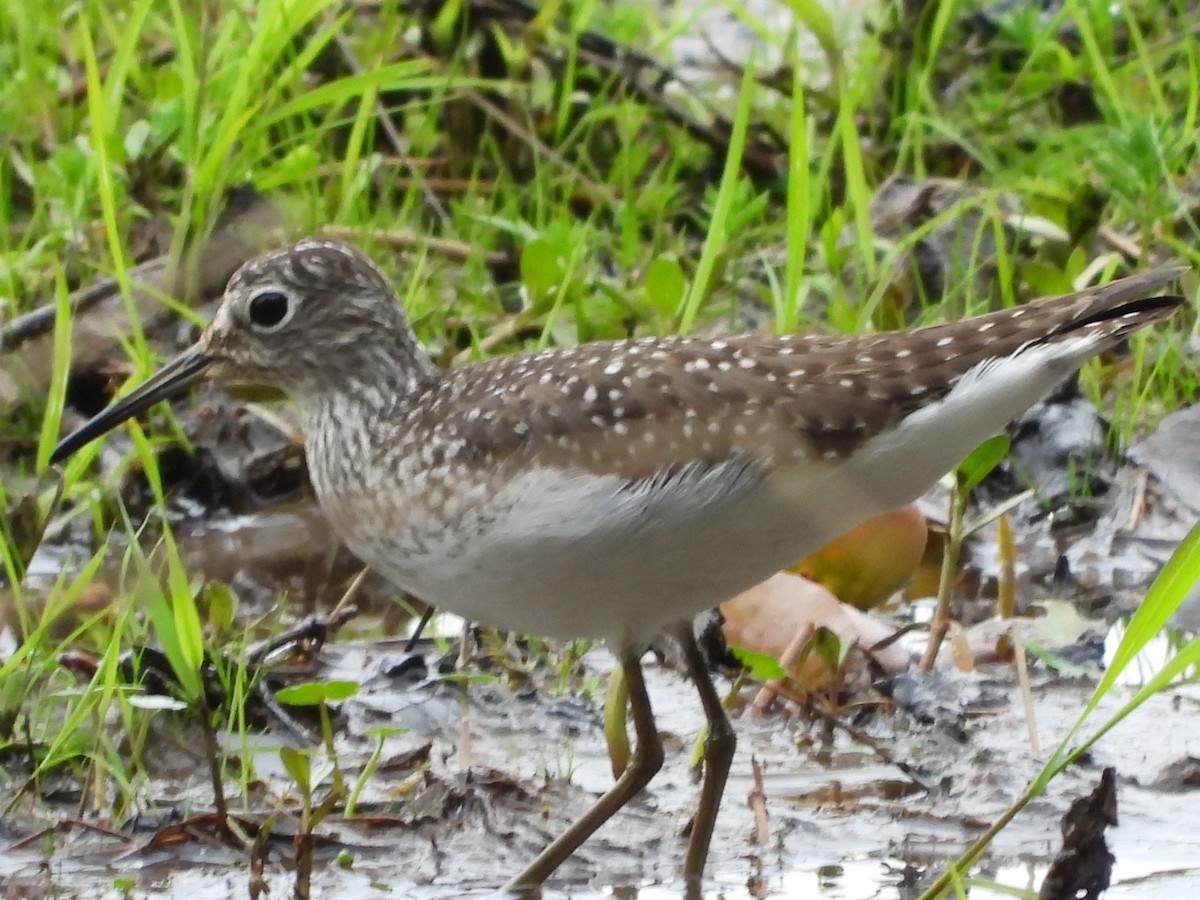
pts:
pixel 403 239
pixel 757 800
pixel 857 734
pixel 771 689
pixel 384 118
pixel 148 275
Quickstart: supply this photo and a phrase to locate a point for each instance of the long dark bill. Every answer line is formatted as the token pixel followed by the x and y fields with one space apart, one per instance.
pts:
pixel 173 378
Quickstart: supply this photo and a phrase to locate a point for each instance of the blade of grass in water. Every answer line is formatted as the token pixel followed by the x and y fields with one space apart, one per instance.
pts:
pixel 1177 578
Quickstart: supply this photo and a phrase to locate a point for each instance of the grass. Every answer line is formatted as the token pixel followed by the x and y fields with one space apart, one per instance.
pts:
pixel 610 218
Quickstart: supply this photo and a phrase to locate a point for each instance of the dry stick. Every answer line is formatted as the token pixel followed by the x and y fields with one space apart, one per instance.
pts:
pixel 757 801
pixel 759 162
pixel 386 124
pixel 335 616
pixel 628 65
pixel 642 77
pixel 63 825
pixel 272 419
pixel 857 734
pixel 40 321
pixel 770 690
pixel 195 828
pixel 1126 246
pixel 1006 607
pixel 884 643
pixel 507 330
pixel 1006 582
pixel 1137 507
pixel 1026 693
pixel 518 130
pixel 403 239
pixel 439 184
pixel 257 884
pixel 217 257
pixel 941 616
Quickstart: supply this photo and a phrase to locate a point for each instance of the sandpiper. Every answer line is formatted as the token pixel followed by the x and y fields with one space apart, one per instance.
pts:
pixel 613 490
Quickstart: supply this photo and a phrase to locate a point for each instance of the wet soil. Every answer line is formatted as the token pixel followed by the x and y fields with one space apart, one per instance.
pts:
pixel 482 776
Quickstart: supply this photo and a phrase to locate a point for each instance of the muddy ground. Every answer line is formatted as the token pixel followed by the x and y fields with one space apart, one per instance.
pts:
pixel 842 822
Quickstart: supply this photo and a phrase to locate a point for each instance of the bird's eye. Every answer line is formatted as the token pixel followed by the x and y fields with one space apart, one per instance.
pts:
pixel 269 309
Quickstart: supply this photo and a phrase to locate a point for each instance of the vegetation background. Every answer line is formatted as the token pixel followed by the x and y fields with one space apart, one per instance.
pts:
pixel 530 175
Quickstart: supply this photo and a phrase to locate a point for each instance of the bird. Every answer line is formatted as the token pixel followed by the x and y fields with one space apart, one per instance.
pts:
pixel 614 490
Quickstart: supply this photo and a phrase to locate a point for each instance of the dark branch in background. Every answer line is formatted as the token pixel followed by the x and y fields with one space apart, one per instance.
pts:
pixel 632 73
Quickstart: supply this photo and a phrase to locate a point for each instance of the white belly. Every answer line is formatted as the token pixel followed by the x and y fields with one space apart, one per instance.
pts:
pixel 576 555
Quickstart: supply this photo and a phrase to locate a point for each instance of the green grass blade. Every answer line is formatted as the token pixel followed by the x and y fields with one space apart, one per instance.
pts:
pixel 714 242
pixel 60 369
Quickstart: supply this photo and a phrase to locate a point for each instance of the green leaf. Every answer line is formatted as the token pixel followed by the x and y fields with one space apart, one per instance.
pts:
pixel 762 666
pixel 59 370
pixel 981 460
pixel 664 284
pixel 314 693
pixel 541 268
pixel 384 731
pixel 828 647
pixel 162 617
pixel 222 604
pixel 1046 280
pixel 298 165
pixel 297 765
pixel 183 607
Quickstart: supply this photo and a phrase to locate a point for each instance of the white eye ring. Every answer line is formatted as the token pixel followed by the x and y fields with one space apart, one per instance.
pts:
pixel 269 310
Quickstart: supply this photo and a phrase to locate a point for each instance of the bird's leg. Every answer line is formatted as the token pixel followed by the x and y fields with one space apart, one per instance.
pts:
pixel 719 747
pixel 644 765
